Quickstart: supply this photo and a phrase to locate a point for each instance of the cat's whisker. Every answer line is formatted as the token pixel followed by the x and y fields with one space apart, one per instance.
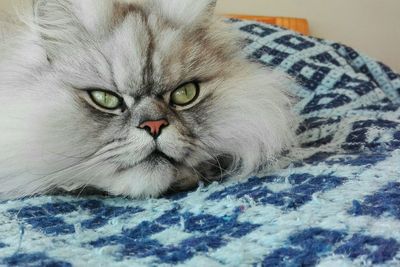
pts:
pixel 68 156
pixel 51 179
pixel 214 157
pixel 199 174
pixel 85 185
pixel 93 155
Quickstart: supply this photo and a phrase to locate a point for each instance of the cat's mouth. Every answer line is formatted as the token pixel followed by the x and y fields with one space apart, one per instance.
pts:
pixel 158 155
pixel 153 158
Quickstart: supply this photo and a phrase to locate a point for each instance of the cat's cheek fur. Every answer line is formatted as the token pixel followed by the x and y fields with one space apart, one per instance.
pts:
pixel 251 119
pixel 40 130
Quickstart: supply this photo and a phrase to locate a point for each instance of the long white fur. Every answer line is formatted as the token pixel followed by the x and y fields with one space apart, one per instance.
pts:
pixel 42 128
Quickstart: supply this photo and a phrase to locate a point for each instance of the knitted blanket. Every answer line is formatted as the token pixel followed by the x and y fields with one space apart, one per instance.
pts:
pixel 337 204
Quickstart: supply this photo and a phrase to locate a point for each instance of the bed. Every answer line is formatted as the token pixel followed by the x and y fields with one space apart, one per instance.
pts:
pixel 336 204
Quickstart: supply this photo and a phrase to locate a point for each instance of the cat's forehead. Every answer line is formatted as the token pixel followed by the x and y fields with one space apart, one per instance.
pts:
pixel 145 50
pixel 152 49
pixel 122 9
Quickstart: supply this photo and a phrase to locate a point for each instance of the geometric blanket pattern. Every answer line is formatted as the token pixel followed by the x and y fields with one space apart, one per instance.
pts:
pixel 336 204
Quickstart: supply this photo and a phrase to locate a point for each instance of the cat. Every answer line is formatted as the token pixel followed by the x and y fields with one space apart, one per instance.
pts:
pixel 134 98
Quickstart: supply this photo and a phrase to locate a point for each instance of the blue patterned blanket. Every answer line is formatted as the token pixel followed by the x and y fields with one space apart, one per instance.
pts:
pixel 337 204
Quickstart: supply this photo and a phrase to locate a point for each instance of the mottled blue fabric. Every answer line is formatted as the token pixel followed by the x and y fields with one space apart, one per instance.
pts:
pixel 337 202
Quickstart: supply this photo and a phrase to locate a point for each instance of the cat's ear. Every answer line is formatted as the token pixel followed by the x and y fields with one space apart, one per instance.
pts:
pixel 56 24
pixel 70 22
pixel 188 11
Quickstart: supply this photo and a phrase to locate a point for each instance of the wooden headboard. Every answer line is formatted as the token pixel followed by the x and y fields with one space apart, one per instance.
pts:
pixel 295 24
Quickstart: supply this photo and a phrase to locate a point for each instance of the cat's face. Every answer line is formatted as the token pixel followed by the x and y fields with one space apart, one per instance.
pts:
pixel 139 97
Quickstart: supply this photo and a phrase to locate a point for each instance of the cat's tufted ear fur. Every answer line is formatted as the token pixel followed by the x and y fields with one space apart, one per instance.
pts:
pixel 75 22
pixel 55 21
pixel 187 12
pixel 70 22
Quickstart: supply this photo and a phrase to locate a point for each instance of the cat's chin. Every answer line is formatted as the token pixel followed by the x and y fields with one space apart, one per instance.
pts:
pixel 150 178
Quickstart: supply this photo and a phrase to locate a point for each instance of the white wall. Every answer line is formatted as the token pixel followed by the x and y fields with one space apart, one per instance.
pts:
pixel 371 26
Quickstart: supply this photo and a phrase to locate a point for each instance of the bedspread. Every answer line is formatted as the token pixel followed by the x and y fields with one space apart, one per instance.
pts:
pixel 336 204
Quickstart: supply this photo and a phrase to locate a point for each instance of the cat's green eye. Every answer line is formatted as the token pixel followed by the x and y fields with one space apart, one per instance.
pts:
pixel 185 94
pixel 105 99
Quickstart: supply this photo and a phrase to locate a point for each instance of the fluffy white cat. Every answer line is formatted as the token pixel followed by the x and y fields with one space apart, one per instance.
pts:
pixel 133 98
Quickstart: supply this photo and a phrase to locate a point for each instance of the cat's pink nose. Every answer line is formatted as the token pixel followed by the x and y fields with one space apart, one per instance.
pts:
pixel 154 127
